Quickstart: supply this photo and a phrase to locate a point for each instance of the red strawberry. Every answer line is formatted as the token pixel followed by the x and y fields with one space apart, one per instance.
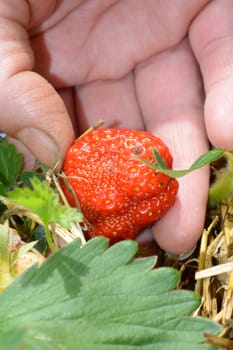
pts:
pixel 118 194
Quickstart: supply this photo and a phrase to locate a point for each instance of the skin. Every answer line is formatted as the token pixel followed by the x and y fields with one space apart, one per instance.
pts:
pixel 161 65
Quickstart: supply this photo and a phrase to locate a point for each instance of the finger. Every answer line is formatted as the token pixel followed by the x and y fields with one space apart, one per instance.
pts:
pixel 169 93
pixel 68 97
pixel 31 110
pixel 29 160
pixel 211 36
pixel 33 113
pixel 114 101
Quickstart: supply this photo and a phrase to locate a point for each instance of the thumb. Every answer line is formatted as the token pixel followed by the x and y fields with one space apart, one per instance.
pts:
pixel 35 114
pixel 31 109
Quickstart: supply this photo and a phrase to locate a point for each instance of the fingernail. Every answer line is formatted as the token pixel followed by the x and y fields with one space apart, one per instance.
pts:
pixel 181 257
pixel 40 145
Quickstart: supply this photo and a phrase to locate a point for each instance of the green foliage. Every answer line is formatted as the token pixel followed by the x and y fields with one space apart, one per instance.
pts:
pixel 39 236
pixel 35 196
pixel 96 298
pixel 27 176
pixel 222 187
pixel 11 339
pixel 11 163
pixel 44 202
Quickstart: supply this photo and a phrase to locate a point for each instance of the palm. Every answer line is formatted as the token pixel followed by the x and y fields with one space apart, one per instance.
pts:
pixel 111 45
pixel 82 43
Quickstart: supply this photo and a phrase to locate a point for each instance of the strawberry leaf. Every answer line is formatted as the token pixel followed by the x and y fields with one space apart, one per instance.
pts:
pixel 44 202
pixel 97 297
pixel 200 162
pixel 11 339
pixel 27 176
pixel 11 163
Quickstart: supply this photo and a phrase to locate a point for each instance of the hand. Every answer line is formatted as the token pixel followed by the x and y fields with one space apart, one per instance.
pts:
pixel 134 64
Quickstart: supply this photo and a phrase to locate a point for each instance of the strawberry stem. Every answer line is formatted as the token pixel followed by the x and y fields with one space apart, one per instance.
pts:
pixel 97 125
pixel 49 239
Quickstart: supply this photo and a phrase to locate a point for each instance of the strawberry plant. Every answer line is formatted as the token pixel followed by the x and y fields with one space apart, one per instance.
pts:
pixel 43 206
pixel 92 296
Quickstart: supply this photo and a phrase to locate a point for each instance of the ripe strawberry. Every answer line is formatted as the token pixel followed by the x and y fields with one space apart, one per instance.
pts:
pixel 118 194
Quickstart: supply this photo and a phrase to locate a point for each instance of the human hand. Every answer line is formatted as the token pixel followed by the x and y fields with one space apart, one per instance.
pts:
pixel 135 64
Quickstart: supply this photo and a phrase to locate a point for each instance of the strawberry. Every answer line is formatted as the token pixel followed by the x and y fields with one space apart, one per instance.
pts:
pixel 118 194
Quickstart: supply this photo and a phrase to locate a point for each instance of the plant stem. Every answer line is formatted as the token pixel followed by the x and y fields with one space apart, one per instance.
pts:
pixel 49 239
pixel 4 237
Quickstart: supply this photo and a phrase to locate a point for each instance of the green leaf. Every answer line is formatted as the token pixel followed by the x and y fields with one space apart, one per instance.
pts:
pixel 39 236
pixel 3 188
pixel 96 298
pixel 11 339
pixel 27 176
pixel 45 203
pixel 222 187
pixel 11 163
pixel 200 162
